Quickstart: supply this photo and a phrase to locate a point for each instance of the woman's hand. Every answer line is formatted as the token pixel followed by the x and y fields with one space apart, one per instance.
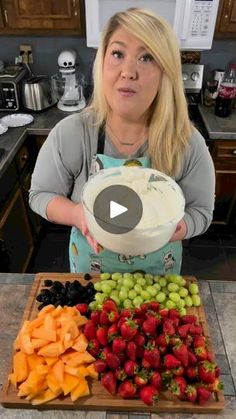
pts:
pixel 180 232
pixel 82 225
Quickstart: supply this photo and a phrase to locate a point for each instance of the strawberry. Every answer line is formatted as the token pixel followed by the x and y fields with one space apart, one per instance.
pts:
pixel 178 372
pixel 141 379
pixel 145 364
pixel 112 361
pixel 104 352
pixel 199 341
pixel 100 365
pixel 201 353
pixel 180 351
pixel 188 340
pixel 101 334
pixel 170 361
pixel 174 313
pixel 95 317
pixel 126 312
pixel 195 329
pixel 82 308
pixel 203 395
pixel 90 330
pixel 162 349
pixel 140 339
pixel 191 393
pixel 144 307
pixel 109 305
pixel 191 372
pixel 154 306
pixel 168 327
pixel 94 347
pixel 189 318
pixel 122 357
pixel 120 374
pixel 131 350
pixel 131 368
pixel 164 312
pixel 127 389
pixel 120 322
pixel 104 318
pixel 216 385
pixel 206 371
pixel 210 356
pixel 152 356
pixel 108 317
pixel 149 395
pixel 118 345
pixel 149 326
pixel 162 340
pixel 174 340
pixel 128 329
pixel 178 386
pixel 192 359
pixel 140 351
pixel 183 330
pixel 166 377
pixel 155 380
pixel 112 332
pixel 109 382
pixel 217 371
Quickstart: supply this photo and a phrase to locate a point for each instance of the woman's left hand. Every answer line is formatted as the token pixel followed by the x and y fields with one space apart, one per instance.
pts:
pixel 180 231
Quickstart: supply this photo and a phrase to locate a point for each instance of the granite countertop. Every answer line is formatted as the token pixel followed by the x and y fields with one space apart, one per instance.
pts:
pixel 12 139
pixel 218 128
pixel 219 303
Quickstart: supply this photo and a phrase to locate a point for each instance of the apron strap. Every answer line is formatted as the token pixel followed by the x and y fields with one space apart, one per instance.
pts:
pixel 101 139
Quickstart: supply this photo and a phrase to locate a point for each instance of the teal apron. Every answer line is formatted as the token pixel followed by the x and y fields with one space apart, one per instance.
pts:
pixel 82 257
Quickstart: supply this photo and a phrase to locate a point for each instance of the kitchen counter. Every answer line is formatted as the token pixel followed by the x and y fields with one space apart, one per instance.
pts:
pixel 12 140
pixel 218 128
pixel 219 302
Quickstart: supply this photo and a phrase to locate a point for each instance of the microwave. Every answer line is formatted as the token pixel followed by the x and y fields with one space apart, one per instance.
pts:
pixel 192 20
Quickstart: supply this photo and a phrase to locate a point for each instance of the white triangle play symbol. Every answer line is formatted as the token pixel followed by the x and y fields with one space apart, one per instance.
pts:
pixel 116 209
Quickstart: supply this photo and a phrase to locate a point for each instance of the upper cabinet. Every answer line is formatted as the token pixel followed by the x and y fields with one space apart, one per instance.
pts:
pixel 44 17
pixel 226 19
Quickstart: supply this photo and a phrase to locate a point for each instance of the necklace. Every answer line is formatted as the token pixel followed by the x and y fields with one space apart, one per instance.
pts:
pixel 128 144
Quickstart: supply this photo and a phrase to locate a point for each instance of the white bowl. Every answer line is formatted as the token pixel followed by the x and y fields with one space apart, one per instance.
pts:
pixel 163 207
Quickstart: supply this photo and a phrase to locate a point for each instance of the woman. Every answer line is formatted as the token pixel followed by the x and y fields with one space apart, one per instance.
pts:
pixel 138 112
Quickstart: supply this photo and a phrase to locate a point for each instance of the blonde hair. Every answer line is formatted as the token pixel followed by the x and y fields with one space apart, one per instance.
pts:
pixel 169 125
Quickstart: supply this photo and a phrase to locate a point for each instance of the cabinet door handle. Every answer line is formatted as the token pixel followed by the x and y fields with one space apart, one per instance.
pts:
pixel 234 152
pixel 24 157
pixel 75 9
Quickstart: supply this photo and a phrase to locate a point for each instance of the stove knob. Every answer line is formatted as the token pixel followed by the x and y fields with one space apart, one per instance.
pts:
pixel 195 76
pixel 185 76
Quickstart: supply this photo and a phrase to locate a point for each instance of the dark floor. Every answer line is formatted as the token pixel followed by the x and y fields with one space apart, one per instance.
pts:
pixel 210 256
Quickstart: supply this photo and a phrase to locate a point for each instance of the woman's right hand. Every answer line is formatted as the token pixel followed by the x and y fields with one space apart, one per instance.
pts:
pixel 82 225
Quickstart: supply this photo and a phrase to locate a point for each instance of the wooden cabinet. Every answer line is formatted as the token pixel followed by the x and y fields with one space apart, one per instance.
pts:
pixel 226 19
pixel 42 17
pixel 224 157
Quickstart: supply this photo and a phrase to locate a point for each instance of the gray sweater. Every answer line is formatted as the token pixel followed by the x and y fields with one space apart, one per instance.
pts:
pixel 63 165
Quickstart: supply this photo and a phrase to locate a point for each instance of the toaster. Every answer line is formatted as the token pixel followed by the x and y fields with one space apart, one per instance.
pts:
pixel 11 79
pixel 37 94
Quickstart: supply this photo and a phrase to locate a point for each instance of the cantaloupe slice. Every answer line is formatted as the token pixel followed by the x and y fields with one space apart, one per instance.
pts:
pixel 52 349
pixel 47 309
pixel 42 333
pixel 53 384
pixel 69 383
pixel 92 372
pixel 80 344
pixel 33 360
pixel 20 366
pixel 77 359
pixel 45 397
pixel 38 343
pixel 50 360
pixel 25 343
pixel 58 371
pixel 80 391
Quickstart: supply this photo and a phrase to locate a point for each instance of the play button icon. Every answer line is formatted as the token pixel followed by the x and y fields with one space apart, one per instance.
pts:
pixel 117 209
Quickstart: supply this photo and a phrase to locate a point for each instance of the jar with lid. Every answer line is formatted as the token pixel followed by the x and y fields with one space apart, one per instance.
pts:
pixel 226 93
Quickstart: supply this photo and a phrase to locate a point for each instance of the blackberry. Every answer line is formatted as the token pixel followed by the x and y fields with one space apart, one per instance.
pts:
pixel 87 277
pixel 39 298
pixel 48 282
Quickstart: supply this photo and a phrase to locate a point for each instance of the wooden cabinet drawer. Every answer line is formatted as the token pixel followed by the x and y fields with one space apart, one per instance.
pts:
pixel 224 154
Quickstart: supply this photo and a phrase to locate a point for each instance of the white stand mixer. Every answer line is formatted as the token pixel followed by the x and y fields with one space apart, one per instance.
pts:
pixel 68 84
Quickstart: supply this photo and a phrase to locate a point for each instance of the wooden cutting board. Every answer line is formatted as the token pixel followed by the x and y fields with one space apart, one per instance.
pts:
pixel 99 399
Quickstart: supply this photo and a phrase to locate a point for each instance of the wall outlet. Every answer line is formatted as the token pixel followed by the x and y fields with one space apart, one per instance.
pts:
pixel 26 54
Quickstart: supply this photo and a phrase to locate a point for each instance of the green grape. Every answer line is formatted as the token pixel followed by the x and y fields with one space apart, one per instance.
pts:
pixel 180 303
pixel 188 301
pixel 112 284
pixel 118 287
pixel 116 299
pixel 99 297
pixel 193 289
pixel 137 301
pixel 132 294
pixel 138 275
pixel 156 278
pixel 149 281
pixel 116 276
pixel 114 292
pixel 105 276
pixel 93 305
pixel 127 303
pixel 165 290
pixel 138 288
pixel 157 286
pixel 123 295
pixel 120 280
pixel 182 311
pixel 196 300
pixel 128 283
pixel 106 289
pixel 172 287
pixel 98 286
pixel 170 304
pixel 150 276
pixel 152 290
pixel 160 297
pixel 182 281
pixel 173 296
pixel 141 281
pixel 128 275
pixel 145 295
pixel 183 292
pixel 162 282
